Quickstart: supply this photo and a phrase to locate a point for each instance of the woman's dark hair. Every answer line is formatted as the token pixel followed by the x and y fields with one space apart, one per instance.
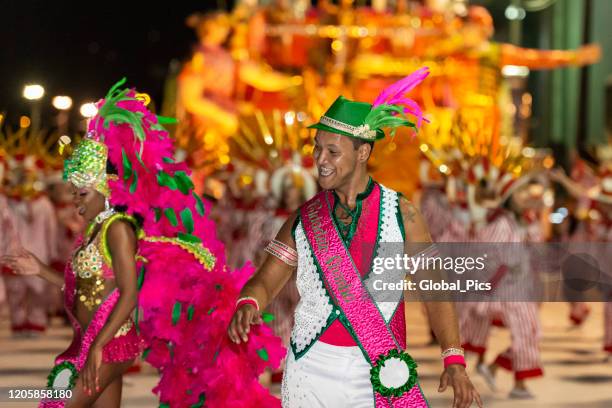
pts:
pixel 123 209
pixel 111 169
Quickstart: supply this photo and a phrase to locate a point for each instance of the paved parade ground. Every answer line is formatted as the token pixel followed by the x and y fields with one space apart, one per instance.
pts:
pixel 576 374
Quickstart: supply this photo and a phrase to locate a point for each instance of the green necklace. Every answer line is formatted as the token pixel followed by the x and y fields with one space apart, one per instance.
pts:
pixel 346 228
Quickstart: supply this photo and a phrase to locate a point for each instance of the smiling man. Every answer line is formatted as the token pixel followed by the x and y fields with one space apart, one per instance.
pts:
pixel 348 345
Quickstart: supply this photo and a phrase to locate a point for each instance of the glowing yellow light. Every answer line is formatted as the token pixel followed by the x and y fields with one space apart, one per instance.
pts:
pixel 62 102
pixel 529 152
pixel 240 54
pixel 289 118
pixel 515 71
pixel 443 168
pixel 24 122
pixel 225 159
pixel 268 139
pixel 33 92
pixel 424 147
pixel 209 138
pixel 245 179
pixel 88 110
pixel 337 45
pixel 296 80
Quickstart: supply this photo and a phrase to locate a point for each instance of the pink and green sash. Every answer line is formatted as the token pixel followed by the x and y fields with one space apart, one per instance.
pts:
pixel 393 373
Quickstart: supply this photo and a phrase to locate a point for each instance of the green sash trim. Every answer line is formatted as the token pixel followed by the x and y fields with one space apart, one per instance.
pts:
pixel 400 218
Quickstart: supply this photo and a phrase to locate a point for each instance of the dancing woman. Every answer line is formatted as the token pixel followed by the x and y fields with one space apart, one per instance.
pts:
pixel 148 275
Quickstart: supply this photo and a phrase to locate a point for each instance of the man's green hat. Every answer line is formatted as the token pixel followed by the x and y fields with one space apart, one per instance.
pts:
pixel 347 118
pixel 365 121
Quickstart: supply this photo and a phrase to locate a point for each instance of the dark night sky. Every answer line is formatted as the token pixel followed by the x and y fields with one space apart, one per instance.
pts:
pixel 80 49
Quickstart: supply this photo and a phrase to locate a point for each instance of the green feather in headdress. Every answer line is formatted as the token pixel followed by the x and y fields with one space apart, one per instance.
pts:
pixel 111 112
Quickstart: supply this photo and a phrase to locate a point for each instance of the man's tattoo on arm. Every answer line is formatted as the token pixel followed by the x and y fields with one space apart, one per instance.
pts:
pixel 410 212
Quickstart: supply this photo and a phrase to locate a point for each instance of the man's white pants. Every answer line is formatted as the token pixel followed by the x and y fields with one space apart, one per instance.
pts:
pixel 327 377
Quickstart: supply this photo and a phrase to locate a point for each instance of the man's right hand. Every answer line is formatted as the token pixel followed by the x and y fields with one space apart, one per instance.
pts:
pixel 240 326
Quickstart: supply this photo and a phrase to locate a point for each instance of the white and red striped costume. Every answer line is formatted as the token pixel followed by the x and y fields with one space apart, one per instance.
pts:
pixel 5 240
pixel 606 236
pixel 521 318
pixel 599 231
pixel 36 224
pixel 441 217
pixel 239 226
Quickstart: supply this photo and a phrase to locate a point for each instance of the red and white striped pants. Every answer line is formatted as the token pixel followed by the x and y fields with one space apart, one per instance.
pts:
pixel 521 318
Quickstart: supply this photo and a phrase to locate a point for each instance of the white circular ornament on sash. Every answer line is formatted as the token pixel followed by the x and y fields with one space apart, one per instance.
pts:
pixel 63 376
pixel 394 374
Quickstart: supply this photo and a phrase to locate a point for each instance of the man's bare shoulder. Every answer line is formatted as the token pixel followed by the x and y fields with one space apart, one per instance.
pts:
pixel 414 224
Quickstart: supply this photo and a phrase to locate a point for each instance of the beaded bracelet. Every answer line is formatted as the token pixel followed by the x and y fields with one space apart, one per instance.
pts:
pixel 452 351
pixel 247 300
